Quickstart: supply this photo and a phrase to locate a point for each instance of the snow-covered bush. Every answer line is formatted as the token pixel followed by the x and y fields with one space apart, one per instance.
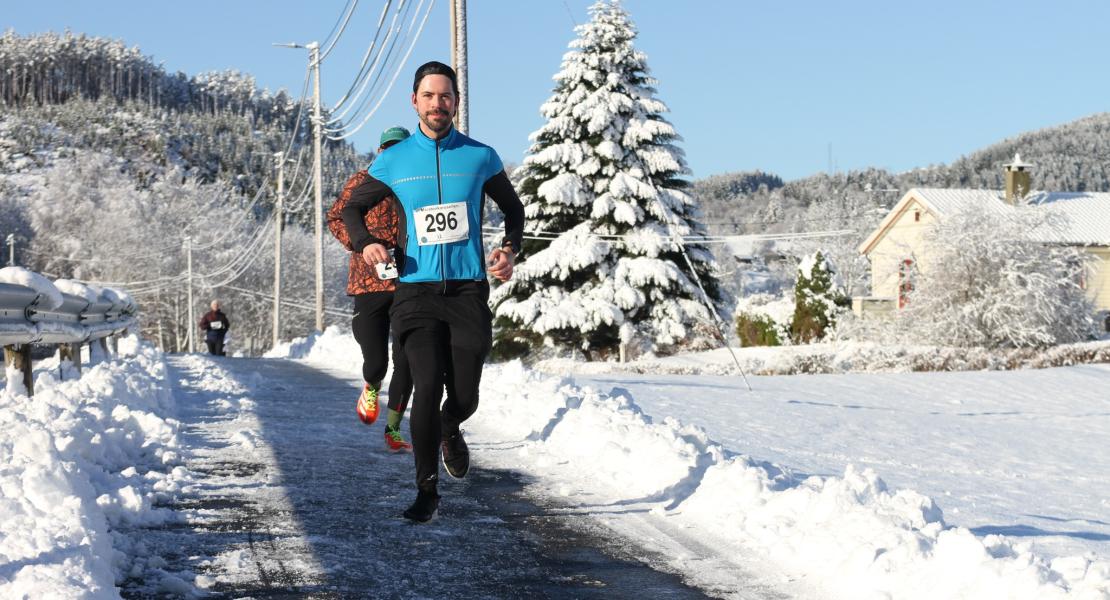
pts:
pixel 989 283
pixel 602 190
pixel 756 330
pixel 764 319
pixel 818 299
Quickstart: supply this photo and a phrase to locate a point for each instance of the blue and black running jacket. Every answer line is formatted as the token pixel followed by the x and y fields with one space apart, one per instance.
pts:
pixel 421 172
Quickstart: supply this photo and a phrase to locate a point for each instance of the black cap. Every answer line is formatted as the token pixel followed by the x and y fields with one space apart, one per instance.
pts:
pixel 435 68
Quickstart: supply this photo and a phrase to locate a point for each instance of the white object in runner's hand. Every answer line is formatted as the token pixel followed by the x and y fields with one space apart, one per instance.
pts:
pixel 386 270
pixel 441 223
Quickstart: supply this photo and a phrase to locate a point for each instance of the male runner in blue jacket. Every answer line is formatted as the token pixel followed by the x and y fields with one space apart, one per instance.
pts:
pixel 441 306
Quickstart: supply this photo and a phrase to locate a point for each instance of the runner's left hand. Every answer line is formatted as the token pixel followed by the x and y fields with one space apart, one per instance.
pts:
pixel 501 264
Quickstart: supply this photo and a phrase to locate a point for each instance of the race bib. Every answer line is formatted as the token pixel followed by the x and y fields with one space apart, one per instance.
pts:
pixel 216 325
pixel 441 223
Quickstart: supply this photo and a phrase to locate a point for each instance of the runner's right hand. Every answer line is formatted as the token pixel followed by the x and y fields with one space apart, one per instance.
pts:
pixel 376 253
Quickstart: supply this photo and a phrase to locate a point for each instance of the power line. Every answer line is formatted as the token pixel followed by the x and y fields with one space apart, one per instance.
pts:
pixel 353 4
pixel 400 65
pixel 365 58
pixel 570 14
pixel 362 78
pixel 294 303
pixel 700 239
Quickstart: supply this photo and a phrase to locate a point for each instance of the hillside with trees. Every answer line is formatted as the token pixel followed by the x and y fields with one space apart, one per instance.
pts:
pixel 1069 157
pixel 108 161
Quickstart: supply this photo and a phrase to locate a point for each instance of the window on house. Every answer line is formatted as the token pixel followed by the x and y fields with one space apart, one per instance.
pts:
pixel 1080 271
pixel 905 282
pixel 916 216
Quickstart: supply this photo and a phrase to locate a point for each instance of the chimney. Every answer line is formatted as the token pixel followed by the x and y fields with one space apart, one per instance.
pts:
pixel 1017 179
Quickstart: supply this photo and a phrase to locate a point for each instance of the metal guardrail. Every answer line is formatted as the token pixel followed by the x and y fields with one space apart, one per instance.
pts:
pixel 25 320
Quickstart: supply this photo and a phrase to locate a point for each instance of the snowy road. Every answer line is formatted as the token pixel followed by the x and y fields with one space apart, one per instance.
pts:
pixel 298 499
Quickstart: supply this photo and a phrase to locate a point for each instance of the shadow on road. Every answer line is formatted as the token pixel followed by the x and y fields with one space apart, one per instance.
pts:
pixel 324 520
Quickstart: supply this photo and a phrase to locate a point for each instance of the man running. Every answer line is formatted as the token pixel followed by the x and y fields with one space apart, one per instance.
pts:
pixel 214 323
pixel 373 296
pixel 441 307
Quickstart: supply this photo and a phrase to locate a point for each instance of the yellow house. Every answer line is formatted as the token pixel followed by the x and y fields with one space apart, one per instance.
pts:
pixel 897 245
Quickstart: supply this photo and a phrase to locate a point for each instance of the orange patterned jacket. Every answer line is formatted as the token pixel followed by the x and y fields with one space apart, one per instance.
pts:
pixel 381 221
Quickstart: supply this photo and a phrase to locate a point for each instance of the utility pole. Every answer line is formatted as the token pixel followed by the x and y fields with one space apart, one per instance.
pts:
pixel 189 308
pixel 11 249
pixel 317 174
pixel 317 215
pixel 161 311
pixel 459 63
pixel 279 223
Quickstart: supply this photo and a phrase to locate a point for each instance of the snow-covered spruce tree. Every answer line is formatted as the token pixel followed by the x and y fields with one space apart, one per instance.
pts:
pixel 989 282
pixel 602 183
pixel 818 297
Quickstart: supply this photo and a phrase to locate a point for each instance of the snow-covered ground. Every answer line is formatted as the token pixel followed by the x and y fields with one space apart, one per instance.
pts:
pixel 930 485
pixel 909 485
pixel 80 462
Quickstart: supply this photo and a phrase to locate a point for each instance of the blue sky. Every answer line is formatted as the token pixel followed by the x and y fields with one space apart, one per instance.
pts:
pixel 751 85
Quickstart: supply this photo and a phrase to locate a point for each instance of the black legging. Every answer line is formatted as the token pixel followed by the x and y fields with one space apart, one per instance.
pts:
pixel 438 364
pixel 371 328
pixel 445 332
pixel 215 346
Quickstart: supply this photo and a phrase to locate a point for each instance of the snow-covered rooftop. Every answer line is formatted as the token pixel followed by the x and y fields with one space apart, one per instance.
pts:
pixel 1087 214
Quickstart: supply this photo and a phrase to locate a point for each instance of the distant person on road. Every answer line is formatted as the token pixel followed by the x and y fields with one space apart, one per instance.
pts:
pixel 373 297
pixel 214 324
pixel 440 311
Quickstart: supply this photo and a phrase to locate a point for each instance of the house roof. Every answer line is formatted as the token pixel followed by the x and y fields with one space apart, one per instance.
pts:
pixel 1086 222
pixel 1088 217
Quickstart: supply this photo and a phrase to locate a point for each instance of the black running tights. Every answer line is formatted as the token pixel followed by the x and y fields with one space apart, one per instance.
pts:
pixel 437 365
pixel 371 328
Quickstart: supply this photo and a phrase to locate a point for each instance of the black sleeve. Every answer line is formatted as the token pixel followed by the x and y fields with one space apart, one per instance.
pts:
pixel 364 197
pixel 501 190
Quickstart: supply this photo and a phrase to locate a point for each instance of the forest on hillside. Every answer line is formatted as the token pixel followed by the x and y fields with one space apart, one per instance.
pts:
pixel 1069 157
pixel 108 162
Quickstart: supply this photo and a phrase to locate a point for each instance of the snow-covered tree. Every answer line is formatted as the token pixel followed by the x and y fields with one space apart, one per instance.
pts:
pixel 603 189
pixel 990 283
pixel 818 297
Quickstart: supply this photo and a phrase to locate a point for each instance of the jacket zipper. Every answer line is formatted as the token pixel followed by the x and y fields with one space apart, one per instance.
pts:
pixel 439 192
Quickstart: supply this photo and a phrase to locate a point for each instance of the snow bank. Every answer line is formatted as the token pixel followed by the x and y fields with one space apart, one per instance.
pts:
pixel 849 535
pixel 82 459
pixel 335 347
pixel 859 538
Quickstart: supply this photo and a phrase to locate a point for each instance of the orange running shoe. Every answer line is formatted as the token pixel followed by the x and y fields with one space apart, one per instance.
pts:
pixel 368 406
pixel 394 441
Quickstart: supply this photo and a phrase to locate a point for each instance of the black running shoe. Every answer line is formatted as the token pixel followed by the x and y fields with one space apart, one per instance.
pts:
pixel 456 456
pixel 424 508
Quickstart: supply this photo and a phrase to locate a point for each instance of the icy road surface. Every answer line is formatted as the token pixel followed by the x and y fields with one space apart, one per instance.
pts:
pixel 301 500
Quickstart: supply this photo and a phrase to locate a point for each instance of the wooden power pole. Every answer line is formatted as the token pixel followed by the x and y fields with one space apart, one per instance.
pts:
pixel 279 222
pixel 317 175
pixel 459 63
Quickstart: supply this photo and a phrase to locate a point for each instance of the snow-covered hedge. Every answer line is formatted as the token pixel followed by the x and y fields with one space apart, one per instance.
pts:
pixel 849 357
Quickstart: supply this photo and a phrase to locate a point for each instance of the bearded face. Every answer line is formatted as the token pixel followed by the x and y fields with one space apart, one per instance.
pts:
pixel 435 103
